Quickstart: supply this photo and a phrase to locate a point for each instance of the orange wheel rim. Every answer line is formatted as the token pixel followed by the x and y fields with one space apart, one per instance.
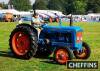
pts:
pixel 83 54
pixel 62 56
pixel 20 43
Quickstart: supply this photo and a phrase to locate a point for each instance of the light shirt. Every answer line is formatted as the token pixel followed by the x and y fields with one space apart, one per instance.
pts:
pixel 37 20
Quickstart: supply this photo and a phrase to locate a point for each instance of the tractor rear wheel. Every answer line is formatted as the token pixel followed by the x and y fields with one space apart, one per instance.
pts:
pixel 62 55
pixel 85 54
pixel 23 42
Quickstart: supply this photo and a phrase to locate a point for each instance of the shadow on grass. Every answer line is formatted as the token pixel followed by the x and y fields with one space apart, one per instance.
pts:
pixel 50 62
pixel 41 56
pixel 11 55
pixel 7 54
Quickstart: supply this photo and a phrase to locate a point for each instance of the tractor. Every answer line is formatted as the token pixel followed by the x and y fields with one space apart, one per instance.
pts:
pixel 61 41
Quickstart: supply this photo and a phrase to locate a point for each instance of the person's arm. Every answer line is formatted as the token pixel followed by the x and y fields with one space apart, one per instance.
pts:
pixel 42 21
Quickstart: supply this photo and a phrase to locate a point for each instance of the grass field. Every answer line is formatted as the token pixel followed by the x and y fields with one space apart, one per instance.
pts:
pixel 7 63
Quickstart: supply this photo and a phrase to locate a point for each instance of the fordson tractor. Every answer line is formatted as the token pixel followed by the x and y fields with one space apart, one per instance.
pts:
pixel 61 41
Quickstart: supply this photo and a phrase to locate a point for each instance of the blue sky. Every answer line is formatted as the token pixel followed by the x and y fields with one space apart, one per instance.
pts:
pixel 6 1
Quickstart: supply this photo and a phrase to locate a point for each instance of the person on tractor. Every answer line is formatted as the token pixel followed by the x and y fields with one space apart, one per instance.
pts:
pixel 37 22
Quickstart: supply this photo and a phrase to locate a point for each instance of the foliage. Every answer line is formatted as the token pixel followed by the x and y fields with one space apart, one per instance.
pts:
pixel 74 6
pixel 3 5
pixel 66 6
pixel 55 5
pixel 80 7
pixel 22 5
pixel 93 5
pixel 40 4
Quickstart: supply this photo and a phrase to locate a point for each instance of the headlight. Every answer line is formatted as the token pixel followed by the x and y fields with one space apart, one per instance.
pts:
pixel 79 37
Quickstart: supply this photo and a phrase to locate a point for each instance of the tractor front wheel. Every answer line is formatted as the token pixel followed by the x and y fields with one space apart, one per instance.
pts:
pixel 62 55
pixel 85 53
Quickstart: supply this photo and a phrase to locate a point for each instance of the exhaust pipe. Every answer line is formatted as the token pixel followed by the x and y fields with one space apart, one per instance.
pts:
pixel 71 20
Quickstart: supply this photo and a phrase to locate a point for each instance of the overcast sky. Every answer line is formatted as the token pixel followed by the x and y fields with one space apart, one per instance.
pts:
pixel 6 1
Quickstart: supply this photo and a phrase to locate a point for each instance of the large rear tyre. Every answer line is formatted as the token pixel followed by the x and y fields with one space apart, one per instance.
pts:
pixel 85 54
pixel 62 55
pixel 23 42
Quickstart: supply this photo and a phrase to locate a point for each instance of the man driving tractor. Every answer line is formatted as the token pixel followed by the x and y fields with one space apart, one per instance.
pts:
pixel 37 22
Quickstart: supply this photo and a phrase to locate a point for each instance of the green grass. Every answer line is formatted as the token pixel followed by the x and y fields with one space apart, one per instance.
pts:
pixel 91 35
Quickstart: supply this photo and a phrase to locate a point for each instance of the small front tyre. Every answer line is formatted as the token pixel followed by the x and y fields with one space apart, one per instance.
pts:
pixel 62 55
pixel 85 54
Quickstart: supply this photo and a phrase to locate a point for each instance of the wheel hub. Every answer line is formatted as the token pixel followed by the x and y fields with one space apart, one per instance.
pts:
pixel 20 43
pixel 62 56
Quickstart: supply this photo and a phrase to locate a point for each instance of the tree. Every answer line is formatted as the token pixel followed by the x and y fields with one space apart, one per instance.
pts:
pixel 3 5
pixel 94 6
pixel 22 5
pixel 69 6
pixel 56 5
pixel 80 6
pixel 40 4
pixel 75 6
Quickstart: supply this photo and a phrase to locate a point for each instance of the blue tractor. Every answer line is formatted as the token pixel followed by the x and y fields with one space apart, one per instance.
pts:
pixel 61 41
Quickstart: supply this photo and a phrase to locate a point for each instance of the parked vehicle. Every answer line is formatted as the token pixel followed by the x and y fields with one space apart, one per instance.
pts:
pixel 8 17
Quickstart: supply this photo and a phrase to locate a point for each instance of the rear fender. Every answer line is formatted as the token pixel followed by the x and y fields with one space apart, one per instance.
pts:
pixel 24 24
